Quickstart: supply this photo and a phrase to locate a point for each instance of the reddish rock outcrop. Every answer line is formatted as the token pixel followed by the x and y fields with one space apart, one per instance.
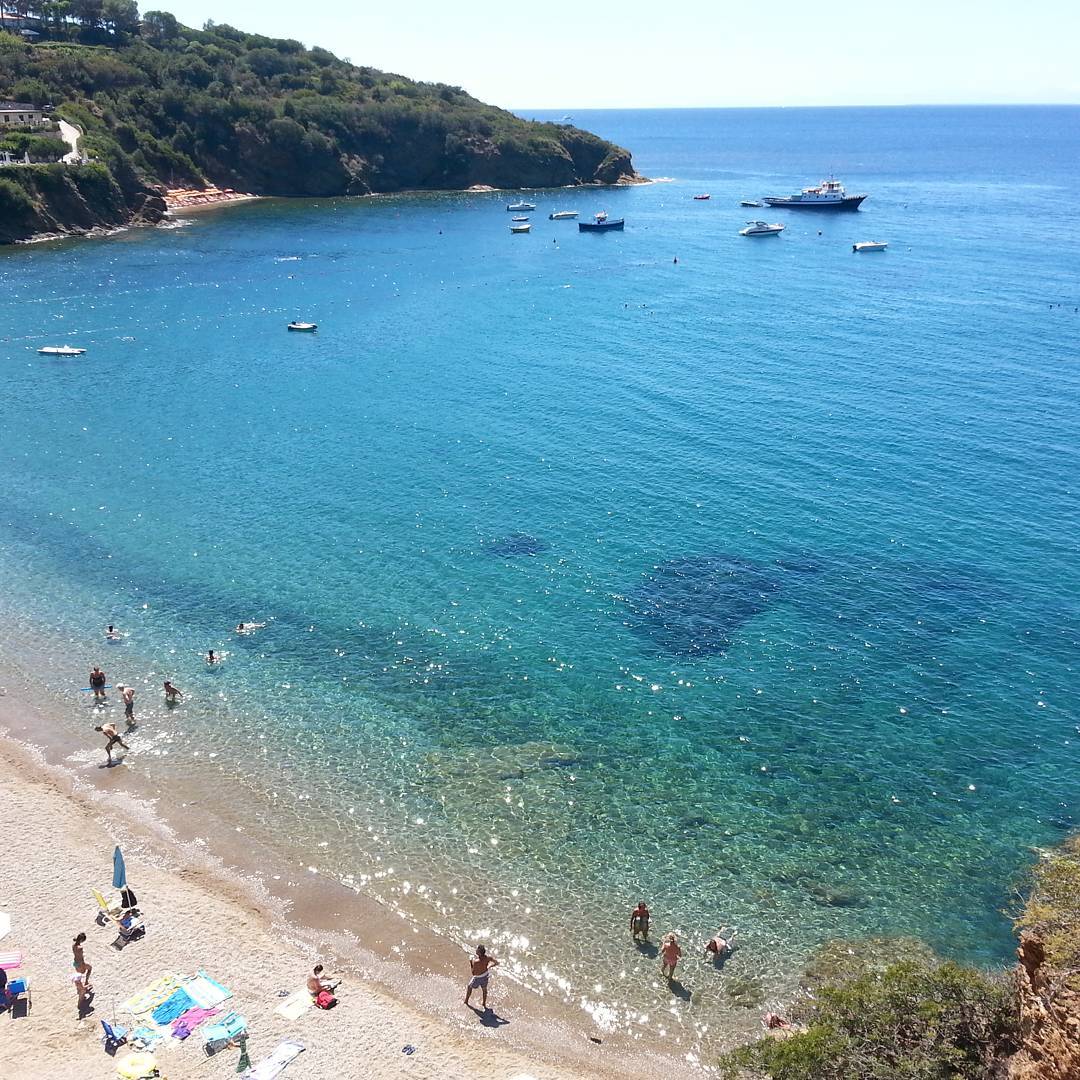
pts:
pixel 1049 1019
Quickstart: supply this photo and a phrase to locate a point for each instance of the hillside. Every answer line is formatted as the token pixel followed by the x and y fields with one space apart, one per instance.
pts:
pixel 163 104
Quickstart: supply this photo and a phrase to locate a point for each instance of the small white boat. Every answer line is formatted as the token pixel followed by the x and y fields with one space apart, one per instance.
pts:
pixel 60 350
pixel 704 197
pixel 521 205
pixel 750 202
pixel 761 228
pixel 520 217
pixel 304 327
pixel 870 245
pixel 563 215
pixel 521 228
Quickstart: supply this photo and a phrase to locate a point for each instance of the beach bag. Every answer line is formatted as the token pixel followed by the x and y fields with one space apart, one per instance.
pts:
pixel 325 1000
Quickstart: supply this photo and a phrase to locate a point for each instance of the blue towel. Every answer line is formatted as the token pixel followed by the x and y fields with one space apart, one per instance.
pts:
pixel 179 1002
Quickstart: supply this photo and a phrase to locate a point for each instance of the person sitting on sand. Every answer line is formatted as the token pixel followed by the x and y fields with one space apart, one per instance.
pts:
pixel 128 925
pixel 639 922
pixel 113 736
pixel 481 966
pixel 171 693
pixel 670 954
pixel 718 947
pixel 320 989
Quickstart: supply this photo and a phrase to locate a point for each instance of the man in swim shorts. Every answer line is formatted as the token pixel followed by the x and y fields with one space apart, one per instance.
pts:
pixel 128 694
pixel 171 693
pixel 639 922
pixel 97 683
pixel 113 736
pixel 481 966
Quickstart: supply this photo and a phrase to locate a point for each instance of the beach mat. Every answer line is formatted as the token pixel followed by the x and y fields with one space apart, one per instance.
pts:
pixel 206 992
pixel 159 991
pixel 10 960
pixel 295 1005
pixel 273 1065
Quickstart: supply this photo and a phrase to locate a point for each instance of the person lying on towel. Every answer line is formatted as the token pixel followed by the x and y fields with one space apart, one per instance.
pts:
pixel 322 990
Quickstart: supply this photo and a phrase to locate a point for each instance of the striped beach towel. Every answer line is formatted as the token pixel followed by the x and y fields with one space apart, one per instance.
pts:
pixel 10 960
pixel 158 992
pixel 205 992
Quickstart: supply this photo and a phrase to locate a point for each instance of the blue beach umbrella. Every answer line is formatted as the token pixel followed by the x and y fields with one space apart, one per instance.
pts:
pixel 119 871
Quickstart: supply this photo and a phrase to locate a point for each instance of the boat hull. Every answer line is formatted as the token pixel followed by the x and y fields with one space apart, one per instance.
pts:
pixel 848 202
pixel 600 226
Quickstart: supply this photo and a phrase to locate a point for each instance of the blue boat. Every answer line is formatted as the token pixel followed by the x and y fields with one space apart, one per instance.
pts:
pixel 600 222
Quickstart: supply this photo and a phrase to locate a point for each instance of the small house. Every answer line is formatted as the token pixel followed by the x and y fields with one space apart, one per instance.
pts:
pixel 21 114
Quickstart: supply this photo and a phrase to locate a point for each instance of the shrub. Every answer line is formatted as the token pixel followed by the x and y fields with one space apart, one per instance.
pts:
pixel 915 1020
pixel 1052 910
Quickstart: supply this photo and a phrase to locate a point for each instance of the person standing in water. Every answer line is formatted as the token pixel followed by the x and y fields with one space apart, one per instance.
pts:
pixel 639 922
pixel 97 684
pixel 113 737
pixel 128 694
pixel 171 693
pixel 481 966
pixel 211 658
pixel 670 954
pixel 112 633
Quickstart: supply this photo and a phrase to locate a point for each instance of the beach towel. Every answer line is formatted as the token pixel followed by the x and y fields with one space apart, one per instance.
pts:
pixel 158 991
pixel 205 992
pixel 295 1005
pixel 232 1027
pixel 273 1065
pixel 178 1002
pixel 147 1037
pixel 10 960
pixel 186 1024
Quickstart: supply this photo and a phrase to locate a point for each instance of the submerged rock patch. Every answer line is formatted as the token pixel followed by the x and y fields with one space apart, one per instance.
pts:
pixel 514 546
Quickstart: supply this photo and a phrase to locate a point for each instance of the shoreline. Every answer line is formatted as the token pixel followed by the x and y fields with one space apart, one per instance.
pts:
pixel 407 971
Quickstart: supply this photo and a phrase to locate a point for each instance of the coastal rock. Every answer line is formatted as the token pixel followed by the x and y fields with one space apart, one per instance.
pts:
pixel 1049 1018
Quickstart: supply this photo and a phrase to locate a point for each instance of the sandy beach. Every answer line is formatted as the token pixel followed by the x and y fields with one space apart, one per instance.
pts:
pixel 58 846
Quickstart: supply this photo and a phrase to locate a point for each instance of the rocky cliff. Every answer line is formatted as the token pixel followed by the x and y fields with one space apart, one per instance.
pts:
pixel 1049 1018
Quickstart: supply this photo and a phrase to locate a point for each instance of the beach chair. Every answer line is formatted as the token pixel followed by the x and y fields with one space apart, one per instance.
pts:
pixel 108 909
pixel 223 1034
pixel 18 990
pixel 114 1037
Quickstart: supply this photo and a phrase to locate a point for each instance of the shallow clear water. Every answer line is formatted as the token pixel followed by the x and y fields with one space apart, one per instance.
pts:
pixel 747 583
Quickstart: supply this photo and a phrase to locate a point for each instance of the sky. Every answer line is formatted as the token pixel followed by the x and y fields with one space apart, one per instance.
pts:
pixel 709 53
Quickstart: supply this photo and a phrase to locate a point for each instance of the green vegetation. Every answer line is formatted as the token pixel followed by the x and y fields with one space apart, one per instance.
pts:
pixel 1052 911
pixel 913 1020
pixel 162 103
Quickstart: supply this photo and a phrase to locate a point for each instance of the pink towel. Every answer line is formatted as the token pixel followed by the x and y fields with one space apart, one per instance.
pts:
pixel 10 960
pixel 193 1018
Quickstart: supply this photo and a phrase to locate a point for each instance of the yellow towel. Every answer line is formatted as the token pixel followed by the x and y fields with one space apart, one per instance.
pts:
pixel 159 991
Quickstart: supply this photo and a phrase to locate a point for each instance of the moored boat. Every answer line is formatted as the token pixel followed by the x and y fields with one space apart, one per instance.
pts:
pixel 761 228
pixel 521 204
pixel 750 202
pixel 600 223
pixel 563 215
pixel 522 228
pixel 702 198
pixel 60 350
pixel 520 217
pixel 304 327
pixel 828 195
pixel 870 245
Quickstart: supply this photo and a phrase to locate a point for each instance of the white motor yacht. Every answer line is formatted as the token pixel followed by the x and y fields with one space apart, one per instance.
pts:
pixel 524 227
pixel 761 228
pixel 870 245
pixel 520 205
pixel 60 350
pixel 563 215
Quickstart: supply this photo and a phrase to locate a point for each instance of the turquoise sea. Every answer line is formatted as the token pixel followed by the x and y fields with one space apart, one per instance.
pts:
pixel 747 583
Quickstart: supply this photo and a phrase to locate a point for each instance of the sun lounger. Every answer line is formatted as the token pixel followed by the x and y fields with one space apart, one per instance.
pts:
pixel 109 908
pixel 18 990
pixel 272 1066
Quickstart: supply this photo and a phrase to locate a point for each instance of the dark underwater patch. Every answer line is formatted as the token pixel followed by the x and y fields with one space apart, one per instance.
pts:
pixel 515 546
pixel 691 606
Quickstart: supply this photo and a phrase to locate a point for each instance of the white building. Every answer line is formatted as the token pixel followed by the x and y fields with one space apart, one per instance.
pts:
pixel 21 114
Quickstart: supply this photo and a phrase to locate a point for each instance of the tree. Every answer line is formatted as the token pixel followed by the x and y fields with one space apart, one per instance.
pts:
pixel 159 27
pixel 88 12
pixel 121 16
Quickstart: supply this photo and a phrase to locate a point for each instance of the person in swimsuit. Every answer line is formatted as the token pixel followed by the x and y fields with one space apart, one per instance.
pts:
pixel 171 693
pixel 211 658
pixel 481 966
pixel 78 962
pixel 128 694
pixel 113 634
pixel 718 948
pixel 639 922
pixel 97 683
pixel 110 733
pixel 670 954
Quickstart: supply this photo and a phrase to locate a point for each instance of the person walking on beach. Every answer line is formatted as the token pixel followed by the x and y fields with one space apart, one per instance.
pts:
pixel 670 953
pixel 171 693
pixel 97 684
pixel 110 733
pixel 128 694
pixel 481 966
pixel 78 961
pixel 639 922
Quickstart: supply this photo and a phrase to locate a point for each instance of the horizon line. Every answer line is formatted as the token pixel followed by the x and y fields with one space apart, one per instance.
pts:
pixel 732 108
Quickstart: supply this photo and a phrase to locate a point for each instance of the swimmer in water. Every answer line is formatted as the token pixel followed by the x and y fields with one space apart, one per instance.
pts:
pixel 112 633
pixel 718 948
pixel 249 628
pixel 171 693
pixel 211 658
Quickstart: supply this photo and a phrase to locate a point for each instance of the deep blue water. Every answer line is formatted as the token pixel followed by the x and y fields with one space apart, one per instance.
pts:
pixel 746 583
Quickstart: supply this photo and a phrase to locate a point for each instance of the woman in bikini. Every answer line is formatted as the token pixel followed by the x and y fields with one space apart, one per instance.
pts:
pixel 78 961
